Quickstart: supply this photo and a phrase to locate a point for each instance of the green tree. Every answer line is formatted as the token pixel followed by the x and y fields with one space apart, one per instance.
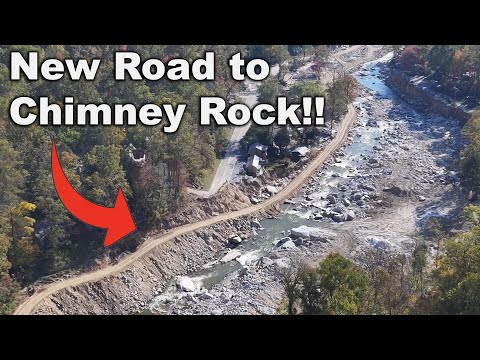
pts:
pixel 470 156
pixel 440 57
pixel 23 251
pixel 12 175
pixel 8 294
pixel 104 175
pixel 269 91
pixel 306 88
pixel 337 286
pixel 346 286
pixel 289 278
pixel 456 279
pixel 312 299
pixel 282 139
pixel 419 263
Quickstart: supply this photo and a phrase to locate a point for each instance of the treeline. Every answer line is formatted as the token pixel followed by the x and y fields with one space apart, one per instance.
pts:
pixel 440 276
pixel 455 68
pixel 37 234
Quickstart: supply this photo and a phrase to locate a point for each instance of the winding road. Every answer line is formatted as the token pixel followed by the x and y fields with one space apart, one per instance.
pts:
pixel 29 305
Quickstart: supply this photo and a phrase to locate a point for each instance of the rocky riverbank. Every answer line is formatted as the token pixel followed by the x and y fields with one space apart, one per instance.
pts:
pixel 129 291
pixel 379 197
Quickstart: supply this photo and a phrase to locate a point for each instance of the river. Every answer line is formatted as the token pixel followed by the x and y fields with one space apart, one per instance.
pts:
pixel 293 216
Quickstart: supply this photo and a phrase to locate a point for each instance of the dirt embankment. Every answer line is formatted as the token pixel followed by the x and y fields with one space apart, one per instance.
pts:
pixel 130 290
pixel 418 95
pixel 230 198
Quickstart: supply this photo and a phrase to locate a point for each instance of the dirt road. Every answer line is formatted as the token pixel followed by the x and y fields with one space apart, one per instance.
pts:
pixel 29 305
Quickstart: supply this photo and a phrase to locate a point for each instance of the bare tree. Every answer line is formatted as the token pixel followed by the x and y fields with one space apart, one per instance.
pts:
pixel 289 278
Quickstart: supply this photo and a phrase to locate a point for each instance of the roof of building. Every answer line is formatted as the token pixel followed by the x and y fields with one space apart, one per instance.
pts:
pixel 301 150
pixel 261 147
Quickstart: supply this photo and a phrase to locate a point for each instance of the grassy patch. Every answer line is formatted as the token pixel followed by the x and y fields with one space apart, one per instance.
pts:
pixel 229 132
pixel 208 178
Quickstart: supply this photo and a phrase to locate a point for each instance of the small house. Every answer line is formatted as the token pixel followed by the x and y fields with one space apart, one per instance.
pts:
pixel 258 150
pixel 299 152
pixel 138 156
pixel 253 165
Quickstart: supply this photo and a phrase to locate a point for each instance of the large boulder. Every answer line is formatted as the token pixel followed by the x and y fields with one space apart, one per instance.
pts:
pixel 379 243
pixel 350 215
pixel 271 189
pixel 312 233
pixel 206 296
pixel 184 283
pixel 284 240
pixel 255 224
pixel 288 245
pixel 346 202
pixel 331 199
pixel 254 200
pixel 231 255
pixel 265 261
pixel 235 240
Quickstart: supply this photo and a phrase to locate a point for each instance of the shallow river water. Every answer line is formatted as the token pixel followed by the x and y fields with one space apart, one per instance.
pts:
pixel 292 216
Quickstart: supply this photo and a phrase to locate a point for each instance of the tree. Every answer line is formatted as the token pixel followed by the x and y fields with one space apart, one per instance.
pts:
pixel 269 91
pixel 471 214
pixel 434 228
pixel 311 298
pixel 23 251
pixel 393 286
pixel 320 57
pixel 337 286
pixel 306 88
pixel 419 263
pixel 346 286
pixel 8 294
pixel 289 278
pixel 282 139
pixel 273 54
pixel 335 103
pixel 456 279
pixel 470 156
pixel 255 133
pixel 409 58
pixel 439 57
pixel 12 175
pixel 104 175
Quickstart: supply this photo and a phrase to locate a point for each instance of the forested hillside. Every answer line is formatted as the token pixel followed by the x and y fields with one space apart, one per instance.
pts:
pixel 37 235
pixel 454 69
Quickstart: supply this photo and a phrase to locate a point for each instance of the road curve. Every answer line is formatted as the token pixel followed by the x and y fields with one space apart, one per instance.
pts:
pixel 29 305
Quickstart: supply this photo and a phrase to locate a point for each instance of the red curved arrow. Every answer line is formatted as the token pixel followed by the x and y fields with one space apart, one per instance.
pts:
pixel 117 220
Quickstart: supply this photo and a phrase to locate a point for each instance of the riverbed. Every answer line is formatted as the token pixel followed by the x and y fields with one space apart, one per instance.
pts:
pixel 394 173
